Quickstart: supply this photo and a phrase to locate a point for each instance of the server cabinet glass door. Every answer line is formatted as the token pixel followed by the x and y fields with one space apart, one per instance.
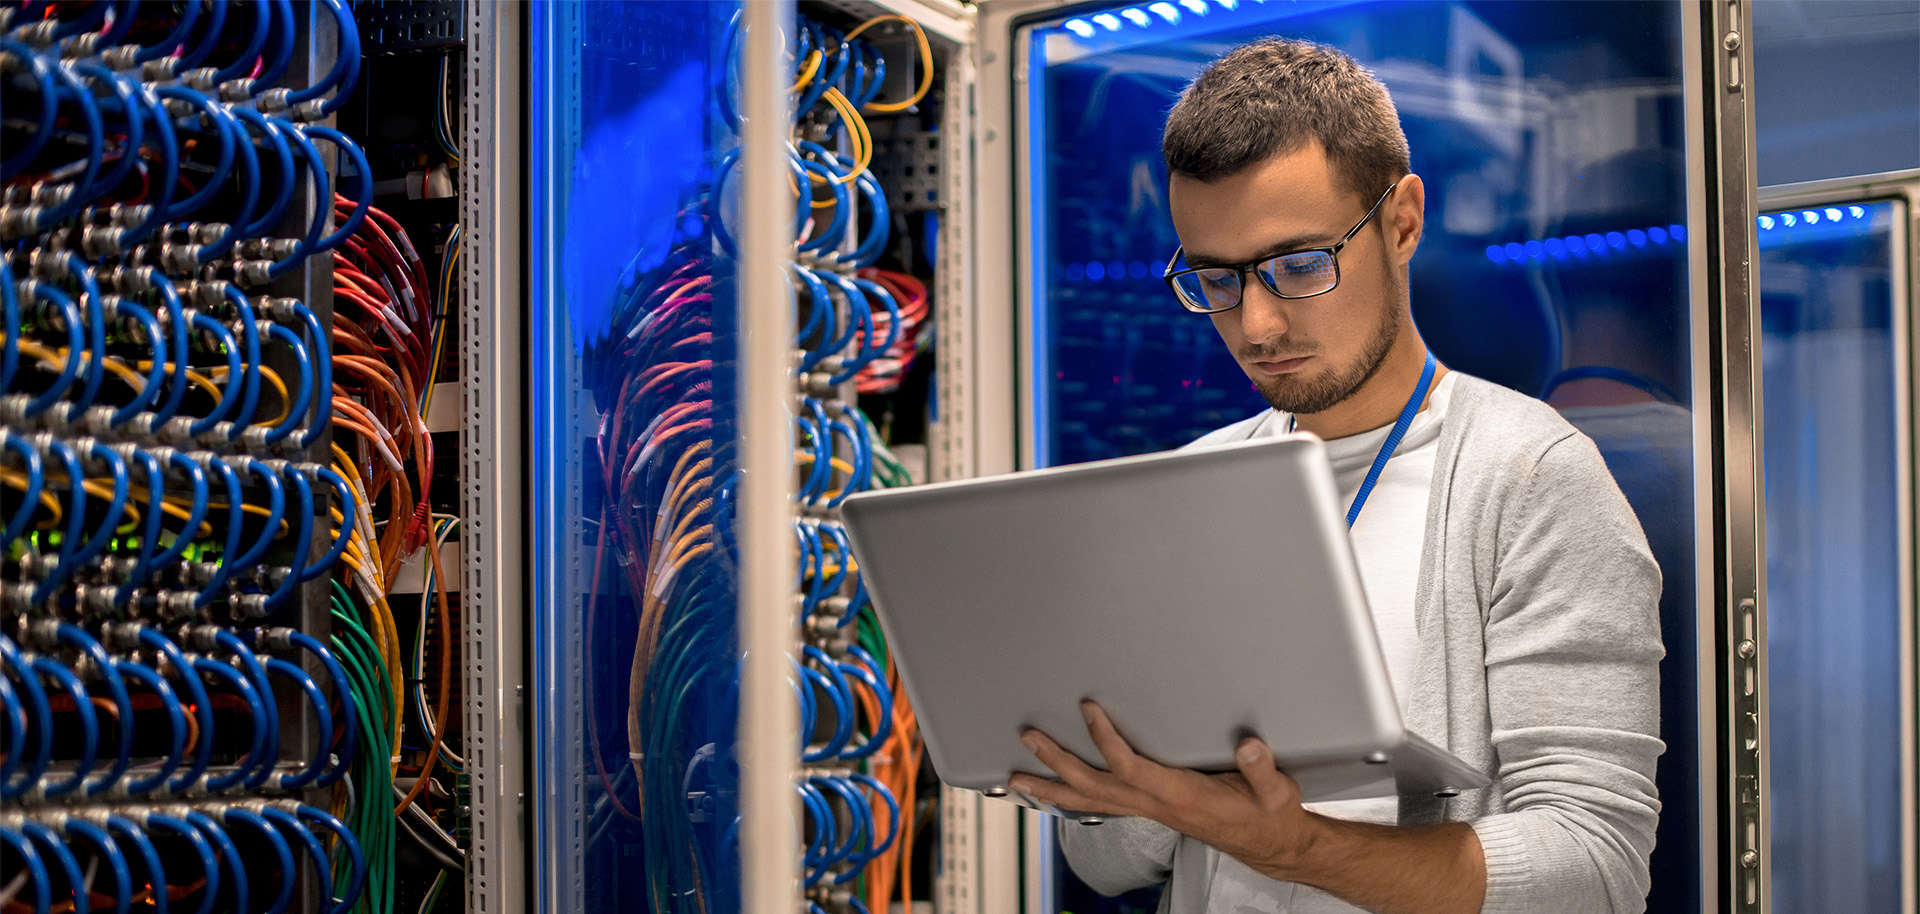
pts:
pixel 634 705
pixel 1551 141
pixel 1836 320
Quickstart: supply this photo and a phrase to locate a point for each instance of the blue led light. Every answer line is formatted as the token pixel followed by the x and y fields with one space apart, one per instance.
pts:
pixel 1833 214
pixel 1496 253
pixel 1199 7
pixel 1076 272
pixel 1108 21
pixel 1137 17
pixel 1637 238
pixel 1166 11
pixel 1574 243
pixel 1096 270
pixel 1117 269
pixel 1229 4
pixel 1657 235
pixel 1079 27
pixel 1137 269
pixel 1810 217
pixel 1857 212
pixel 1679 232
pixel 1557 248
pixel 1596 242
pixel 1616 240
pixel 1766 223
pixel 1536 250
pixel 1789 220
pixel 1515 251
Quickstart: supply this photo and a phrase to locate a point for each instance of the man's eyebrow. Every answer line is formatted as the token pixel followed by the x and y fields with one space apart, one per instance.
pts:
pixel 1283 246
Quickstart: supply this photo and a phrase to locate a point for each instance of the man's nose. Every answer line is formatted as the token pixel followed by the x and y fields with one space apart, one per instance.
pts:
pixel 1263 315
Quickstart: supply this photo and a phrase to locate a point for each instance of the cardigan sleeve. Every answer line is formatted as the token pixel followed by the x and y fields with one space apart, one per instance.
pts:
pixel 1122 855
pixel 1572 638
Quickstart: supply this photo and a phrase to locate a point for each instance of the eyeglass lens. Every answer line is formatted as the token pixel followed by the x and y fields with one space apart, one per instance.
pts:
pixel 1290 275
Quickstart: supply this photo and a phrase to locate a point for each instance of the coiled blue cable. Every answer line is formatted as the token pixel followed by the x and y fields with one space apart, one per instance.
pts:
pixel 156 375
pixel 154 640
pixel 344 493
pixel 349 712
pixel 257 673
pixel 10 300
pixel 322 715
pixel 257 39
pixel 81 274
pixel 42 73
pixel 257 750
pixel 76 638
pixel 209 863
pixel 282 853
pixel 96 150
pixel 156 476
pixel 177 321
pixel 363 178
pixel 250 340
pixel 869 673
pixel 827 677
pixel 36 870
pixel 125 90
pixel 36 483
pixel 176 716
pixel 116 863
pixel 176 39
pixel 75 346
pixel 297 413
pixel 296 830
pixel 276 511
pixel 236 525
pixel 39 715
pixel 229 391
pixel 357 868
pixel 16 727
pixel 89 724
pixel 56 850
pixel 322 351
pixel 196 513
pixel 218 123
pixel 275 209
pixel 280 55
pixel 161 188
pixel 204 45
pixel 236 868
pixel 155 872
pixel 249 184
pixel 302 536
pixel 346 64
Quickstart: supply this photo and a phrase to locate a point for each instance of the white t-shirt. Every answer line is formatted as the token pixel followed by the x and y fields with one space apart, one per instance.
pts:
pixel 1388 538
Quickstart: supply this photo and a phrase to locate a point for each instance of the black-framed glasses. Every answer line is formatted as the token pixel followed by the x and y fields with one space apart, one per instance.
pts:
pixel 1295 274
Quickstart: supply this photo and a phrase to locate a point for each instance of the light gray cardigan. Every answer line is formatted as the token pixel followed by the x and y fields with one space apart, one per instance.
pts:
pixel 1537 608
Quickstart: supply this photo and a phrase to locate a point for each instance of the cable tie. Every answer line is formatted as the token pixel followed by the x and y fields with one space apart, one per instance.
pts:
pixel 637 756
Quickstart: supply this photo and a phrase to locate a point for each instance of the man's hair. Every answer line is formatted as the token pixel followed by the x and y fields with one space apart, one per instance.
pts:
pixel 1270 98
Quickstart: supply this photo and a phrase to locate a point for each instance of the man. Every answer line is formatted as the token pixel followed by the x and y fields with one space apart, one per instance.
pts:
pixel 1512 588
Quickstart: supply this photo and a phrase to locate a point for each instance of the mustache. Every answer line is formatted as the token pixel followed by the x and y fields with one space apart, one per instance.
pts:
pixel 1275 353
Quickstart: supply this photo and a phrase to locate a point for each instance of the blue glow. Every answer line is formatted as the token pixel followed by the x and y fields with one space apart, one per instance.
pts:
pixel 1096 271
pixel 1514 251
pixel 1596 242
pixel 1766 223
pixel 1557 248
pixel 1117 269
pixel 1616 240
pixel 1833 213
pixel 1811 217
pixel 1229 4
pixel 1108 21
pixel 1657 235
pixel 1679 232
pixel 1536 250
pixel 1789 220
pixel 1137 269
pixel 1575 244
pixel 1199 7
pixel 1076 272
pixel 1496 253
pixel 1079 27
pixel 1637 238
pixel 1166 11
pixel 1857 212
pixel 1137 17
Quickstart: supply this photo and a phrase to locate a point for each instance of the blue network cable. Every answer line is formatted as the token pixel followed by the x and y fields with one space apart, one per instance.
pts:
pixel 109 850
pixel 322 714
pixel 203 850
pixel 154 872
pixel 282 854
pixel 56 850
pixel 37 874
pixel 176 717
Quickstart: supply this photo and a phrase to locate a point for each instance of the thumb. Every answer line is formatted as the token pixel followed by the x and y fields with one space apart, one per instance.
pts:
pixel 1256 764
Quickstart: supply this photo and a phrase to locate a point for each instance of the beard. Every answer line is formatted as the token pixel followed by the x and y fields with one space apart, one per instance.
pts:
pixel 1309 395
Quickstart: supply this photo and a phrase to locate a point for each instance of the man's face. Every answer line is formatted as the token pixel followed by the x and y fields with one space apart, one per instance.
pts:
pixel 1305 355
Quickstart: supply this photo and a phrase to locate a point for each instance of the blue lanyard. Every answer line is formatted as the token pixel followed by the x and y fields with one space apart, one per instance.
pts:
pixel 1392 443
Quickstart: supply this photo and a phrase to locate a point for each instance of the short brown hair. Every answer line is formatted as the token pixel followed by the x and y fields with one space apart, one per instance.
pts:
pixel 1269 98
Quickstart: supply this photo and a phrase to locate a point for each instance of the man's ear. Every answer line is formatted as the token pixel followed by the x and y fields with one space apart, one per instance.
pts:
pixel 1405 218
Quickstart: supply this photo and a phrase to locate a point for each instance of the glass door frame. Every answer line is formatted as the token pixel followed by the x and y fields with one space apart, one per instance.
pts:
pixel 1902 187
pixel 1722 199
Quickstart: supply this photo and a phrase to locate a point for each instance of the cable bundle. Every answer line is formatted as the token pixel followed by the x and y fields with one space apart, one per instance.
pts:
pixel 161 404
pixel 858 328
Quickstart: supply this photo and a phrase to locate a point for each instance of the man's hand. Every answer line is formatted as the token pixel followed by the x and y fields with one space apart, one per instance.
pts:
pixel 1254 815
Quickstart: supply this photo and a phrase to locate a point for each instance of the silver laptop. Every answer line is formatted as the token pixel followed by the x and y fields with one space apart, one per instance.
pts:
pixel 1199 596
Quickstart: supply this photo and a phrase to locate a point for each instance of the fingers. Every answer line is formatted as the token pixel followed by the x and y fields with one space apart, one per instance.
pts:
pixel 1061 762
pixel 1081 786
pixel 1270 787
pixel 1119 756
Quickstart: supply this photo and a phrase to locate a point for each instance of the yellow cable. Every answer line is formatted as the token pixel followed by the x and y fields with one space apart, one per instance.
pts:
pixel 806 73
pixel 926 64
pixel 19 480
pixel 857 132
